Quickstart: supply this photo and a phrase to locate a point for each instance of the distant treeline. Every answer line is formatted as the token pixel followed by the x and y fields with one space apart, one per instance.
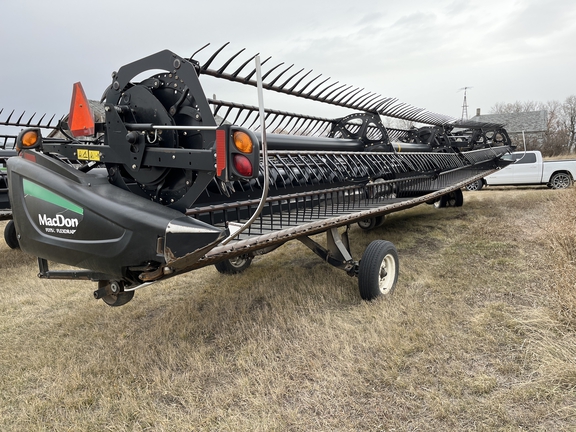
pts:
pixel 560 135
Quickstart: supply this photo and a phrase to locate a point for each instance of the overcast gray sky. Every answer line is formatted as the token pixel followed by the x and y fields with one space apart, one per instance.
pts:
pixel 421 52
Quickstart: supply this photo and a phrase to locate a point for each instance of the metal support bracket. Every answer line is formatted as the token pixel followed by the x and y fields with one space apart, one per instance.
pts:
pixel 337 253
pixel 45 273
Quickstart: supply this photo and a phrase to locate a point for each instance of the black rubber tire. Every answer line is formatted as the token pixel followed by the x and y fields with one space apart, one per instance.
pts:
pixel 380 220
pixel 560 181
pixel 440 202
pixel 451 199
pixel 378 270
pixel 476 186
pixel 119 299
pixel 457 198
pixel 371 223
pixel 113 296
pixel 234 265
pixel 10 236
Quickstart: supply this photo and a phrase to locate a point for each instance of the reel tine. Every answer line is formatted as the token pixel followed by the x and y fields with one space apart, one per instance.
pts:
pixel 309 82
pixel 281 73
pixel 344 96
pixel 369 102
pixel 255 120
pixel 225 65
pixel 385 104
pixel 211 59
pixel 226 114
pixel 216 109
pixel 376 107
pixel 351 96
pixel 237 71
pixel 9 117
pixel 269 123
pixel 50 122
pixel 339 93
pixel 192 56
pixel 329 94
pixel 240 110
pixel 318 85
pixel 247 77
pixel 397 109
pixel 283 118
pixel 360 99
pixel 30 121
pixel 248 117
pixel 271 70
pixel 315 127
pixel 290 79
pixel 297 124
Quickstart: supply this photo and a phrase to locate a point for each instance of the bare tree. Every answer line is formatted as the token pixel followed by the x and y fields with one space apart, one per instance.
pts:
pixel 397 123
pixel 554 142
pixel 569 120
pixel 560 136
pixel 516 107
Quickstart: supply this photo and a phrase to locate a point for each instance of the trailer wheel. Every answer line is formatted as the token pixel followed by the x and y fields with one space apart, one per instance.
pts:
pixel 119 299
pixel 476 186
pixel 234 265
pixel 111 293
pixel 451 199
pixel 371 223
pixel 378 270
pixel 10 236
pixel 560 181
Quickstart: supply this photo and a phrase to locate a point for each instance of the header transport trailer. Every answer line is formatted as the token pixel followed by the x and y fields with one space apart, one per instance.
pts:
pixel 168 180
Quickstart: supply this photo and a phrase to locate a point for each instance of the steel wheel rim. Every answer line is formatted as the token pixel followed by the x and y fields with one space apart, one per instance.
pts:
pixel 387 274
pixel 473 186
pixel 561 182
pixel 238 261
pixel 364 223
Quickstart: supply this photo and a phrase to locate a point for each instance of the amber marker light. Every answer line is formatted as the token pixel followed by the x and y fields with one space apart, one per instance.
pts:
pixel 30 138
pixel 243 142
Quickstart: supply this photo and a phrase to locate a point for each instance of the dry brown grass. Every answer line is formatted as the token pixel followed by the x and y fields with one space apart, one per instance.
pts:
pixel 475 337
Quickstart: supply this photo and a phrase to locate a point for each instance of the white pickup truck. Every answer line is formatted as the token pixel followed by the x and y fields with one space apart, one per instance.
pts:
pixel 530 168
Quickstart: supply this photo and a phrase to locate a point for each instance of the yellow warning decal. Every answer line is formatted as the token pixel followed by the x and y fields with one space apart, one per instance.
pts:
pixel 94 155
pixel 88 155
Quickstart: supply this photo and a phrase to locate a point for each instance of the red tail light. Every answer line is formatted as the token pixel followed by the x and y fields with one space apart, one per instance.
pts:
pixel 242 165
pixel 80 120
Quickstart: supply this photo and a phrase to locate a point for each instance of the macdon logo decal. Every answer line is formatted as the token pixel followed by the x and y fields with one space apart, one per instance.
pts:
pixel 45 203
pixel 58 224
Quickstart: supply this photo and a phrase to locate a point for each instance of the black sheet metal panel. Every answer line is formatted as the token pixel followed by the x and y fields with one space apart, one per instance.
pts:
pixel 70 217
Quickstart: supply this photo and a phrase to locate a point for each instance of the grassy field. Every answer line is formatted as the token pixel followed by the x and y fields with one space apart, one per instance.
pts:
pixel 479 335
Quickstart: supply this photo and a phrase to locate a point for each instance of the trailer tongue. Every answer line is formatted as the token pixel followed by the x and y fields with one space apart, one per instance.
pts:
pixel 170 181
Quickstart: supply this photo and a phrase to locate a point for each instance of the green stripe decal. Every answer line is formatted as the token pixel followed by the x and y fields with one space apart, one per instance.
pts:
pixel 44 194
